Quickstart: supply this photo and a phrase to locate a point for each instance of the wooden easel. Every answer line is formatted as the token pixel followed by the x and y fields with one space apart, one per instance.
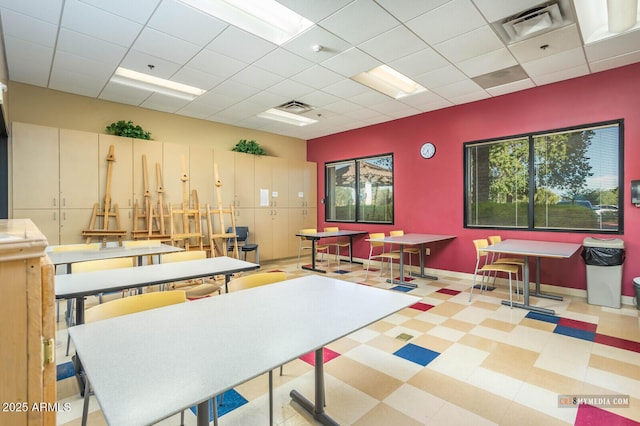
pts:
pixel 218 241
pixel 191 218
pixel 106 214
pixel 153 223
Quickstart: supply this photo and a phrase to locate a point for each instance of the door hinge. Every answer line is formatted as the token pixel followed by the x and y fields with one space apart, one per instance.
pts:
pixel 48 351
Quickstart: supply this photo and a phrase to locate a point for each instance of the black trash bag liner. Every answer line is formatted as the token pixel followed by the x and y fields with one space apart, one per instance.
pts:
pixel 603 256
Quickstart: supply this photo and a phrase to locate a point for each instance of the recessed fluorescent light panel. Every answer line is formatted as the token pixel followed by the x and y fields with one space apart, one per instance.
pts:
pixel 148 82
pixel 603 19
pixel 389 81
pixel 287 117
pixel 265 18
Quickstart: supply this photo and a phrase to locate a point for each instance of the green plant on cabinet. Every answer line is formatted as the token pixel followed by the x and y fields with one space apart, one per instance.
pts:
pixel 249 147
pixel 128 129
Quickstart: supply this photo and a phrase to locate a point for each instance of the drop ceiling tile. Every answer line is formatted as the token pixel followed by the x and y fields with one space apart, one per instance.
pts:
pixel 290 89
pixel 138 11
pixel 139 61
pixel 22 53
pixel 90 47
pixel 370 98
pixel 238 44
pixel 622 44
pixel 516 86
pixel 65 62
pixel 195 110
pixel 76 83
pixel 317 77
pixel 421 99
pixel 97 23
pixel 392 44
pixel 234 89
pixel 186 23
pixel 196 78
pixel 124 94
pixel 318 99
pixel 341 107
pixel 489 62
pixel 441 77
pixel 362 114
pixel 618 61
pixel 165 103
pixel 240 111
pixel 302 44
pixel 315 10
pixel 407 9
pixel 394 109
pixel 215 101
pixel 469 45
pixel 495 10
pixel 345 89
pixel 351 62
pixel 45 10
pixel 420 62
pixel 256 77
pixel 164 46
pixel 562 74
pixel 283 62
pixel 24 71
pixel 558 62
pixel 469 96
pixel 28 28
pixel 557 41
pixel 267 99
pixel 372 18
pixel 450 20
pixel 215 63
pixel 457 89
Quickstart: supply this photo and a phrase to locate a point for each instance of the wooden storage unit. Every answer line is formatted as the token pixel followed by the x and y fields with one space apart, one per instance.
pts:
pixel 27 327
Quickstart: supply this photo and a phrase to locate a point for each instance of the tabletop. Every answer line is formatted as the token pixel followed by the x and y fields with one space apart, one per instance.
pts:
pixel 534 248
pixel 91 283
pixel 413 238
pixel 147 366
pixel 330 234
pixel 72 256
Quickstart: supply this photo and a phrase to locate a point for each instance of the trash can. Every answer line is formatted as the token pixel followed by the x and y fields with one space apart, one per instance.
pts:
pixel 636 286
pixel 604 258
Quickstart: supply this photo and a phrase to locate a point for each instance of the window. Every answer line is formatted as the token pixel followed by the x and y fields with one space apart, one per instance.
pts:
pixel 566 180
pixel 360 190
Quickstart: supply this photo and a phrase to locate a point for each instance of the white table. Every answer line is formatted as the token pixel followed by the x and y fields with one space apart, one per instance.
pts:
pixel 326 234
pixel 79 286
pixel 68 257
pixel 412 239
pixel 537 250
pixel 148 366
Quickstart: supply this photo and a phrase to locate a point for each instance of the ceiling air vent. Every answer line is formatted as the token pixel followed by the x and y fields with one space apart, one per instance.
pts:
pixel 533 22
pixel 295 107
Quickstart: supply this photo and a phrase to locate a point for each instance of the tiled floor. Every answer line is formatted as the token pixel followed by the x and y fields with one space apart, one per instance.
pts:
pixel 445 361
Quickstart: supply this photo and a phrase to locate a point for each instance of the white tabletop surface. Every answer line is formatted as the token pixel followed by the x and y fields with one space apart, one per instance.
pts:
pixel 413 239
pixel 72 256
pixel 90 283
pixel 147 366
pixel 534 248
pixel 328 234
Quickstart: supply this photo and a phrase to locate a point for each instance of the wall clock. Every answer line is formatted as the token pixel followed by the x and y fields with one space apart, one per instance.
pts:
pixel 428 150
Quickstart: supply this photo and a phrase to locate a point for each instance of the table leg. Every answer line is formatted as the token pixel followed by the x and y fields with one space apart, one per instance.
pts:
pixel 313 258
pixel 317 409
pixel 422 275
pixel 538 293
pixel 203 412
pixel 401 281
pixel 525 292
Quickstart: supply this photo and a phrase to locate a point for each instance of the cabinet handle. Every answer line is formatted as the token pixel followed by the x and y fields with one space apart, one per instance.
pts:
pixel 54 202
pixel 64 216
pixel 55 216
pixel 64 201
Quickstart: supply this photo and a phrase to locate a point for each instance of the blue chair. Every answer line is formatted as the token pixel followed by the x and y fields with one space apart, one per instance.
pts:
pixel 242 236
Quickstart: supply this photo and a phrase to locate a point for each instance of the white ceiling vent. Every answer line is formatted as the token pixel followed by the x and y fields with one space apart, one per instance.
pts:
pixel 534 22
pixel 295 107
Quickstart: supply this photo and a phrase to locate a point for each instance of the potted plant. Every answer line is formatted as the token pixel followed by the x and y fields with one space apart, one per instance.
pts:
pixel 249 147
pixel 128 129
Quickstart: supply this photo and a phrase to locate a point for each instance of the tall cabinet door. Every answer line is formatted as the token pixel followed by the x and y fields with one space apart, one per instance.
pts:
pixel 224 162
pixel 201 175
pixel 175 165
pixel 271 232
pixel 78 172
pixel 271 182
pixel 35 166
pixel 244 180
pixel 121 183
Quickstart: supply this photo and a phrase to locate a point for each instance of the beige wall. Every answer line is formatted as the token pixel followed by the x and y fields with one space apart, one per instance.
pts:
pixel 31 104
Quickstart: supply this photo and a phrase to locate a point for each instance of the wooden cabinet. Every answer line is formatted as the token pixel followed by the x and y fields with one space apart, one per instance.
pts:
pixel 175 160
pixel 201 175
pixel 152 151
pixel 121 172
pixel 271 182
pixel 271 233
pixel 302 184
pixel 27 325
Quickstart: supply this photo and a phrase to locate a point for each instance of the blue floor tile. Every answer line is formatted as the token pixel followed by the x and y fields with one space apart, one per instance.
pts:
pixel 64 371
pixel 543 317
pixel 341 271
pixel 417 354
pixel 231 401
pixel 575 332
pixel 402 288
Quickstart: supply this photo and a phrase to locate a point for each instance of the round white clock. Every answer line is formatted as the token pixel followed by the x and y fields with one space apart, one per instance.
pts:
pixel 428 150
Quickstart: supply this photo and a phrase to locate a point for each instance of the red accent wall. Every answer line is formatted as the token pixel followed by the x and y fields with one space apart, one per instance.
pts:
pixel 429 193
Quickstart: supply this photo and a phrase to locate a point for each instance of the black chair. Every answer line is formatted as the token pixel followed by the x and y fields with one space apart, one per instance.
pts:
pixel 242 236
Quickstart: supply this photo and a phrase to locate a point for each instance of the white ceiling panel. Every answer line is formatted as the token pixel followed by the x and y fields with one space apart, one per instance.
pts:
pixel 75 45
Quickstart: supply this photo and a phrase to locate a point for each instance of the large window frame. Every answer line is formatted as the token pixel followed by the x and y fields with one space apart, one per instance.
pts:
pixel 540 202
pixel 360 190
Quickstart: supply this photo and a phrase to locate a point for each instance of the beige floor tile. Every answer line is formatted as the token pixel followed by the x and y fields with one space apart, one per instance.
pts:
pixel 387 343
pixel 521 415
pixel 368 380
pixel 383 415
pixel 445 309
pixel 554 382
pixel 498 325
pixel 616 367
pixel 511 361
pixel 458 325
